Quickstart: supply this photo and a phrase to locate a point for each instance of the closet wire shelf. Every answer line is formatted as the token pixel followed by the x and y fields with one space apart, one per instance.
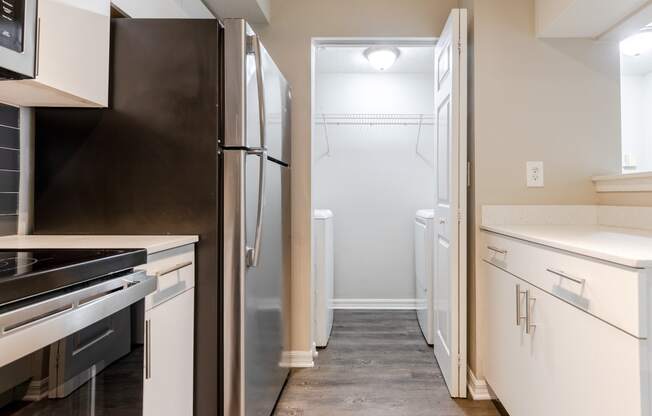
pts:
pixel 374 119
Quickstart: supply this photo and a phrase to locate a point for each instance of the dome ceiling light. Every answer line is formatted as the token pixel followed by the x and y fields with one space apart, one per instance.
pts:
pixel 638 44
pixel 382 57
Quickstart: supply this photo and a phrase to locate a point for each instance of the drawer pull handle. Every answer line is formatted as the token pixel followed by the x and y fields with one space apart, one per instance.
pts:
pixel 94 341
pixel 566 276
pixel 519 317
pixel 497 250
pixel 173 269
pixel 529 300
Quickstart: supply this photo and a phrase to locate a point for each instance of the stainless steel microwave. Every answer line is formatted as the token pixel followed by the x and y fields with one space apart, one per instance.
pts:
pixel 18 26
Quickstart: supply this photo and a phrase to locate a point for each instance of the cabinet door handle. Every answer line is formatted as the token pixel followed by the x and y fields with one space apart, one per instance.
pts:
pixel 529 300
pixel 148 349
pixel 519 317
pixel 497 250
pixel 562 274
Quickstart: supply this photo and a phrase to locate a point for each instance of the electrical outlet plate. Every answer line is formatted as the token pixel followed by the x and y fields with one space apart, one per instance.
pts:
pixel 534 174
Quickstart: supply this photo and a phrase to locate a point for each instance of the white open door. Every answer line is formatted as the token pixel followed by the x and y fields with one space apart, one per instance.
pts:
pixel 450 211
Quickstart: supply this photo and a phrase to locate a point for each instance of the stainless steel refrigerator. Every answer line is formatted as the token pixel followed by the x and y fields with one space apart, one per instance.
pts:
pixel 196 140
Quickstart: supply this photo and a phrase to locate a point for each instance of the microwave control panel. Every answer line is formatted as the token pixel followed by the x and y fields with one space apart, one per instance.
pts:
pixel 12 22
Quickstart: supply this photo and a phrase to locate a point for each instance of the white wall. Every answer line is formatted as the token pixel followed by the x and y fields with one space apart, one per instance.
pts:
pixel 636 113
pixel 374 180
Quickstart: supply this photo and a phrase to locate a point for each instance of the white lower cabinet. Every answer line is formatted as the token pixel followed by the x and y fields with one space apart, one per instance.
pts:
pixel 169 334
pixel 504 341
pixel 571 363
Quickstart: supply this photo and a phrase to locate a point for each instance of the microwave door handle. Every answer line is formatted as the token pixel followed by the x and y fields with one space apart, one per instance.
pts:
pixel 253 253
pixel 260 81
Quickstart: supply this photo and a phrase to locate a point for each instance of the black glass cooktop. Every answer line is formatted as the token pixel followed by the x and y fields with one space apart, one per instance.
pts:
pixel 28 273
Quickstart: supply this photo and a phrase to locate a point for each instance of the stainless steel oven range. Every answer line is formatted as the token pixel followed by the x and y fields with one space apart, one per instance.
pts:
pixel 71 332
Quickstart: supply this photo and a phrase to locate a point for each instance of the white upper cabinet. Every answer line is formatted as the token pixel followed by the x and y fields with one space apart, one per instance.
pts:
pixel 163 9
pixel 582 18
pixel 254 11
pixel 72 63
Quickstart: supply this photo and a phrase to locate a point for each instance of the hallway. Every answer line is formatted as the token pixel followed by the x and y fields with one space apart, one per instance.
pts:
pixel 376 364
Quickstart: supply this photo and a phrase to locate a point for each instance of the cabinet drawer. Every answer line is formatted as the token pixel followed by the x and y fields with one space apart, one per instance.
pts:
pixel 175 269
pixel 612 293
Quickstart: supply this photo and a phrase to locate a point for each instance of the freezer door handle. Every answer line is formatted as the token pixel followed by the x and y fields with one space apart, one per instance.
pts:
pixel 260 81
pixel 253 253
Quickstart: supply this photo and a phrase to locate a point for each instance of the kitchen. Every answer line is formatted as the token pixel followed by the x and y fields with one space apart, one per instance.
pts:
pixel 149 234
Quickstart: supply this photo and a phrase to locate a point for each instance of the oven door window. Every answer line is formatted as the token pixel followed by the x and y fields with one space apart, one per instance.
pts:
pixel 96 371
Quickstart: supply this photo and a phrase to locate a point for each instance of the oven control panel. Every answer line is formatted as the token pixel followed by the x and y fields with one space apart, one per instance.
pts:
pixel 12 22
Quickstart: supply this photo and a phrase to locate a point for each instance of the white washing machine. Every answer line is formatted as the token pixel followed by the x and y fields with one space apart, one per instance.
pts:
pixel 424 269
pixel 323 275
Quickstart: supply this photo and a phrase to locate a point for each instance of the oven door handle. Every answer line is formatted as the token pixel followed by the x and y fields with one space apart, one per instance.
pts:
pixel 26 329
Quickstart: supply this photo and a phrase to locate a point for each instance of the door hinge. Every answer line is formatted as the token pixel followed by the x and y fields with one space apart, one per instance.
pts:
pixel 250 47
pixel 468 174
pixel 459 360
pixel 459 215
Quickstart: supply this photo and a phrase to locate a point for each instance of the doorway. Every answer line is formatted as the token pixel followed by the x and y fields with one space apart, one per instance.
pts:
pixel 389 201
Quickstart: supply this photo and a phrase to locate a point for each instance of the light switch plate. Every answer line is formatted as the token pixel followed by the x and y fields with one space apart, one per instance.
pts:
pixel 534 174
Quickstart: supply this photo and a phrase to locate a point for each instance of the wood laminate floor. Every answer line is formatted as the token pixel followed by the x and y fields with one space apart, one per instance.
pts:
pixel 377 363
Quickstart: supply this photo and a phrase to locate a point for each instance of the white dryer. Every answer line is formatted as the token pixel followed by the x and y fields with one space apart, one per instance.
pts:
pixel 323 275
pixel 424 268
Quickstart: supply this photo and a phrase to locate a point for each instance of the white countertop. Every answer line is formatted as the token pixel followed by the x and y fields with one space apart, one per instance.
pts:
pixel 625 246
pixel 152 243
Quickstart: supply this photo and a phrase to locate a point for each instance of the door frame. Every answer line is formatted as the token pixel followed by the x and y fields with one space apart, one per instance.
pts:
pixel 462 281
pixel 316 43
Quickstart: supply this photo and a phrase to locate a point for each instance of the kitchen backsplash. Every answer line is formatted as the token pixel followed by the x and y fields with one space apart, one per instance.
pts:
pixel 9 168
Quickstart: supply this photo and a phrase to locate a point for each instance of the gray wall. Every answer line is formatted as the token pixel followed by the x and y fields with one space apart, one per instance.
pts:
pixel 557 101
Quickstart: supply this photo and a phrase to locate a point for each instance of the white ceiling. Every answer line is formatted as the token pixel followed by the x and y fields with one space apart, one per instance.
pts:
pixel 350 59
pixel 636 65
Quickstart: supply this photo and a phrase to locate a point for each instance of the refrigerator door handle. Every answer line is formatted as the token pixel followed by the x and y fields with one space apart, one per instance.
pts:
pixel 253 253
pixel 260 81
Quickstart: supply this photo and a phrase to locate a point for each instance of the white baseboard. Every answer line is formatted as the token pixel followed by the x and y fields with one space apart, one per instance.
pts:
pixel 392 304
pixel 478 388
pixel 297 359
pixel 37 390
